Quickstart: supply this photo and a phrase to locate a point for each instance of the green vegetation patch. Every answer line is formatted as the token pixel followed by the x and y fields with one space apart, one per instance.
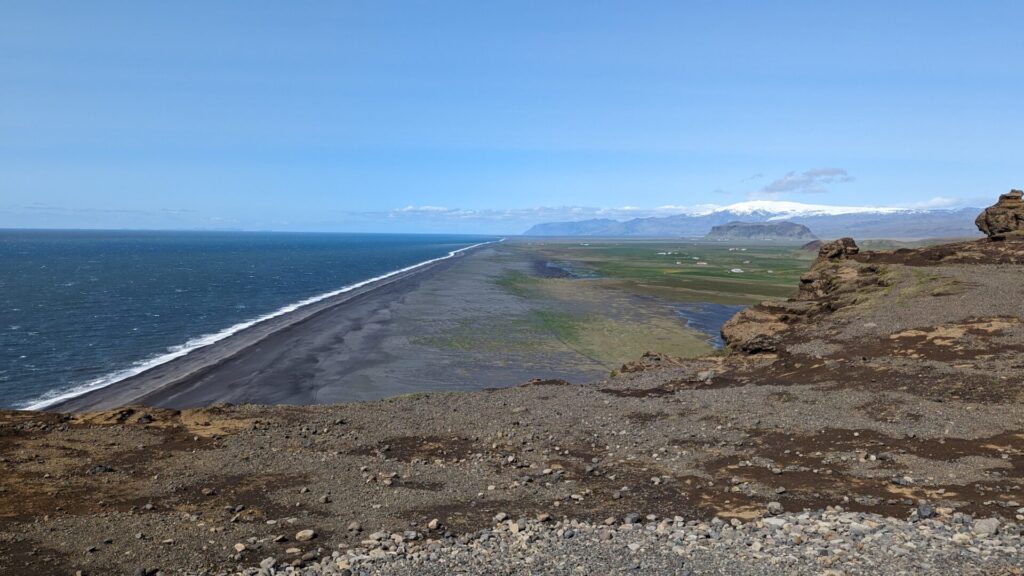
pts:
pixel 565 326
pixel 517 283
pixel 489 334
pixel 690 271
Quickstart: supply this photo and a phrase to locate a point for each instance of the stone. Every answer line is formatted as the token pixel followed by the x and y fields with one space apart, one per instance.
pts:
pixel 354 526
pixel 100 469
pixel 775 508
pixel 1005 218
pixel 239 547
pixel 986 527
pixel 433 524
pixel 838 249
pixel 925 510
pixel 305 535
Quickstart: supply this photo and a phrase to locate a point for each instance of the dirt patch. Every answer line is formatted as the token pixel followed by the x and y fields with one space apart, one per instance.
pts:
pixel 209 422
pixel 545 382
pixel 976 252
pixel 645 417
pixel 23 557
pixel 673 386
pixel 428 448
pixel 858 469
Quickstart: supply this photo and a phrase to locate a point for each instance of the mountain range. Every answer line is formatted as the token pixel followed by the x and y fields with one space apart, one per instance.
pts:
pixel 824 221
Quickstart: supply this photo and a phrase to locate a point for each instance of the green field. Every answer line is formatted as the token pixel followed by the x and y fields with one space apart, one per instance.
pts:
pixel 618 300
pixel 684 271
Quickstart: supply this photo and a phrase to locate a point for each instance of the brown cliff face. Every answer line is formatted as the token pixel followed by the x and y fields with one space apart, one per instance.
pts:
pixel 842 275
pixel 1004 219
pixel 833 282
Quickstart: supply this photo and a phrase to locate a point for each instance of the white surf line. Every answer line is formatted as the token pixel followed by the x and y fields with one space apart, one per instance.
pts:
pixel 207 339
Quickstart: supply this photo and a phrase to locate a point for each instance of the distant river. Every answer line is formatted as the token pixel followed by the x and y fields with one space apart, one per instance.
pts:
pixel 81 309
pixel 708 318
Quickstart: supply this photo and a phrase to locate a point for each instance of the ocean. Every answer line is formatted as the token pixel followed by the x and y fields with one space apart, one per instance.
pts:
pixel 82 309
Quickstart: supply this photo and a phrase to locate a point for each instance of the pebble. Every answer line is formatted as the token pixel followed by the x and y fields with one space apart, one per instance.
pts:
pixel 305 535
pixel 824 542
pixel 986 527
pixel 925 510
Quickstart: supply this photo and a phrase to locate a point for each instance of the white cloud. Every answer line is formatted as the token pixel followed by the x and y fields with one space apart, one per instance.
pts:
pixel 428 209
pixel 937 202
pixel 811 181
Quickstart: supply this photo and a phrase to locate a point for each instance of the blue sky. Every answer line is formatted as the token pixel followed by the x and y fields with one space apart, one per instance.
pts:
pixel 490 116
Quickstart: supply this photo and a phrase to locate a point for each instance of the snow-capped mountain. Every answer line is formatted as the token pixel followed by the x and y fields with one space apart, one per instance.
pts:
pixel 824 221
pixel 779 209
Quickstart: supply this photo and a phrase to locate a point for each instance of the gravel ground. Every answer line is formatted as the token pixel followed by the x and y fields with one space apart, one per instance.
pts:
pixel 829 542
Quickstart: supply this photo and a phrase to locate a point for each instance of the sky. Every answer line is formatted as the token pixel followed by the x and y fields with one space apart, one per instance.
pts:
pixel 491 116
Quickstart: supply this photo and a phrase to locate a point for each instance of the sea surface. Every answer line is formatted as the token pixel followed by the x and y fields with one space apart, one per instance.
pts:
pixel 81 309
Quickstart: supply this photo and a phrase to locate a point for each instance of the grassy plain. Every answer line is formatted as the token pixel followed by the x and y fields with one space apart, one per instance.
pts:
pixel 681 271
pixel 611 301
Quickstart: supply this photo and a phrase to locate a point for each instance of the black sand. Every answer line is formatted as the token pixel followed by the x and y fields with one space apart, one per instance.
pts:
pixel 360 345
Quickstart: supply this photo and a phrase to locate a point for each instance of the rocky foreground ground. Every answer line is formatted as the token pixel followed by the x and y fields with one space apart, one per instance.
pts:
pixel 870 425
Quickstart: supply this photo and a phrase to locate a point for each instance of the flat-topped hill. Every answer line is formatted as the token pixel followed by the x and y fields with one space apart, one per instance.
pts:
pixel 761 231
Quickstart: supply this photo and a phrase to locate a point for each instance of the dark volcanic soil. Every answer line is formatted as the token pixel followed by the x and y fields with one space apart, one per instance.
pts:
pixel 902 390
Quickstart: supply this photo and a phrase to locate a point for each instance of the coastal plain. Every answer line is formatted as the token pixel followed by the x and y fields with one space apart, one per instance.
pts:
pixel 495 316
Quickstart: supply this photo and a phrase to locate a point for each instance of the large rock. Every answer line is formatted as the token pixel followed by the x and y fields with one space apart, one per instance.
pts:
pixel 1004 219
pixel 837 249
pixel 834 281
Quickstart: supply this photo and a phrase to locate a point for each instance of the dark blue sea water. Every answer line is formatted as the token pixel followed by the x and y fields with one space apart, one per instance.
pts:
pixel 81 308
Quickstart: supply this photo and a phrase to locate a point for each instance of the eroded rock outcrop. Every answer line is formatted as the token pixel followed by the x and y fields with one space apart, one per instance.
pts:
pixel 834 281
pixel 837 249
pixel 1004 219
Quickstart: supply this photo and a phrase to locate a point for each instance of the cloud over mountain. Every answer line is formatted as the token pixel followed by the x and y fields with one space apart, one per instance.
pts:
pixel 811 181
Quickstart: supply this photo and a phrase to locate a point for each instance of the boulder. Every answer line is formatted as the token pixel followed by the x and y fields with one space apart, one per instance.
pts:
pixel 837 249
pixel 1004 219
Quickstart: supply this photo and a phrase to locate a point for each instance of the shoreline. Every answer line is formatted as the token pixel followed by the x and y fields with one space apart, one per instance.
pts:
pixel 178 365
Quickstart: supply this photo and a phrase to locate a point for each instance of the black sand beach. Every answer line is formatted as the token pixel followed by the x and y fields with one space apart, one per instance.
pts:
pixel 360 345
pixel 448 326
